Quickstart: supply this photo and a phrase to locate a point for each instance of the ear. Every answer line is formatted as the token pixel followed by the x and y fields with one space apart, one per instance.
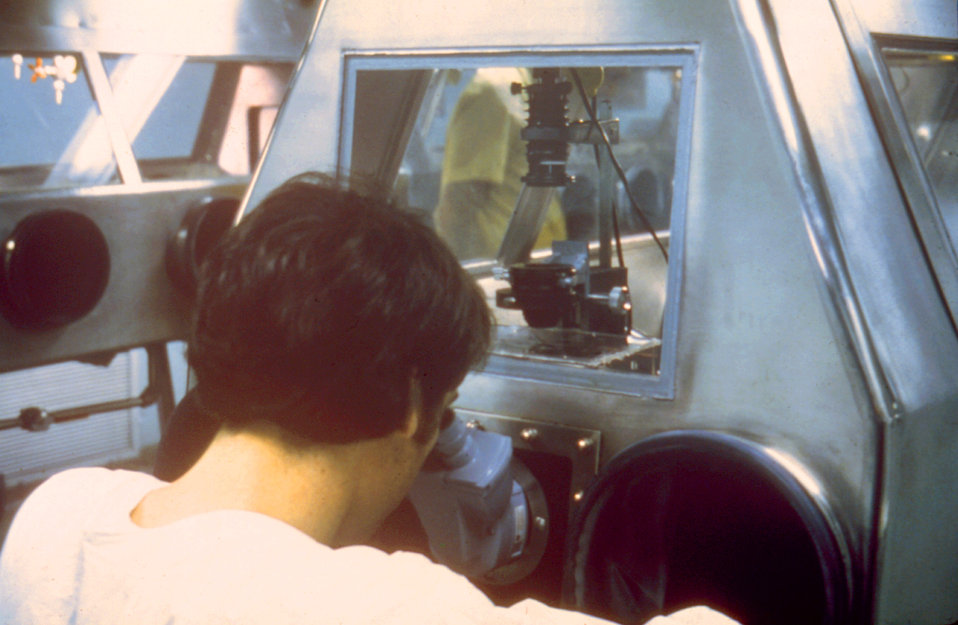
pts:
pixel 414 415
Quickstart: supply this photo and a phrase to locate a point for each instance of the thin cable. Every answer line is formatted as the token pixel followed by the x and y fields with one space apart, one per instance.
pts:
pixel 615 217
pixel 615 163
pixel 618 238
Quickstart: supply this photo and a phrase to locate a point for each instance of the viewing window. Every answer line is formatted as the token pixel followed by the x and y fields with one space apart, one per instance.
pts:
pixel 184 118
pixel 50 126
pixel 927 86
pixel 193 119
pixel 578 251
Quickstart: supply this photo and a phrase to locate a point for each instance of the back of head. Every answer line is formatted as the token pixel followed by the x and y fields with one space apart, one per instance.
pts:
pixel 320 306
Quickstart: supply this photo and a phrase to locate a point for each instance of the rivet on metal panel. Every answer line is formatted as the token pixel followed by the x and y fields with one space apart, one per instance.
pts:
pixel 896 411
pixel 529 434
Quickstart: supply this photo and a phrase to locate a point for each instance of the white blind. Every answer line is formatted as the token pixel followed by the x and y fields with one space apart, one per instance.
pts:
pixel 101 438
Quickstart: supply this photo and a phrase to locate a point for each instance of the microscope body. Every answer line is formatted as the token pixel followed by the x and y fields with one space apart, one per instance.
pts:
pixel 474 504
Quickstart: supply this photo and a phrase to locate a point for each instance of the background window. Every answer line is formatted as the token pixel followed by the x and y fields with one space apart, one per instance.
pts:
pixel 927 87
pixel 50 139
pixel 194 119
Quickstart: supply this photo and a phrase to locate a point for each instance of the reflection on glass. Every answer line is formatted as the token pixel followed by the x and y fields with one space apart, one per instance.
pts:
pixel 185 119
pixel 465 158
pixel 190 119
pixel 483 162
pixel 467 165
pixel 160 100
pixel 927 86
pixel 47 143
pixel 252 113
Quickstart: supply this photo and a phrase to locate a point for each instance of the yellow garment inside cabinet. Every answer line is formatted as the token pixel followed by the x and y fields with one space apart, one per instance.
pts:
pixel 483 163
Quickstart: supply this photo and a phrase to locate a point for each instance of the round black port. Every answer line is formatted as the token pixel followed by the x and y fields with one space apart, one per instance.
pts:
pixel 202 227
pixel 56 265
pixel 704 518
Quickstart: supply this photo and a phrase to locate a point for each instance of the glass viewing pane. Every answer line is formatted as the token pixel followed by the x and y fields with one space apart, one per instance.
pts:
pixel 160 99
pixel 171 128
pixel 464 166
pixel 50 126
pixel 259 92
pixel 191 119
pixel 927 86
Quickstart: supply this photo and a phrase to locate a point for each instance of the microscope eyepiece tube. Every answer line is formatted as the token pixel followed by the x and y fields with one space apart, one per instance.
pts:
pixel 469 501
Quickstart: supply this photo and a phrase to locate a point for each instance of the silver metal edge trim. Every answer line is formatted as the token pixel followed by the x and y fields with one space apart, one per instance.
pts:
pixel 294 78
pixel 815 490
pixel 816 493
pixel 767 61
pixel 767 457
pixel 115 190
pixel 680 200
pixel 47 38
pixel 926 19
pixel 425 58
pixel 344 151
pixel 902 152
pixel 922 204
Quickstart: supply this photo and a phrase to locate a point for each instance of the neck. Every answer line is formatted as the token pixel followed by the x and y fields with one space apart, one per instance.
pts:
pixel 322 490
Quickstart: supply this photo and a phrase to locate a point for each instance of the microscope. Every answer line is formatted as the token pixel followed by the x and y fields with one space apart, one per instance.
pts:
pixel 565 290
pixel 483 512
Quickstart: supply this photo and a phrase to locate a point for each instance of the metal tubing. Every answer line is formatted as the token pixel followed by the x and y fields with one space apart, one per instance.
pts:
pixel 159 390
pixel 606 195
pixel 103 93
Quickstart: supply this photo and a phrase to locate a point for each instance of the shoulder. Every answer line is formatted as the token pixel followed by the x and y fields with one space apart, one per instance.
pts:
pixel 431 593
pixel 93 477
pixel 365 585
pixel 57 512
pixel 40 559
pixel 74 477
pixel 293 582
pixel 84 488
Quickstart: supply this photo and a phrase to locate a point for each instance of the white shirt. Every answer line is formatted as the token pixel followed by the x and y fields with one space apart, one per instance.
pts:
pixel 73 555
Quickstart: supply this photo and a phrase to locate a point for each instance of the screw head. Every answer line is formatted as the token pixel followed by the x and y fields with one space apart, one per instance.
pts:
pixel 619 299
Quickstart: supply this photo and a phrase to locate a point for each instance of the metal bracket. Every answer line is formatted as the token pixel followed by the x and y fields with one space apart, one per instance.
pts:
pixel 581 446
